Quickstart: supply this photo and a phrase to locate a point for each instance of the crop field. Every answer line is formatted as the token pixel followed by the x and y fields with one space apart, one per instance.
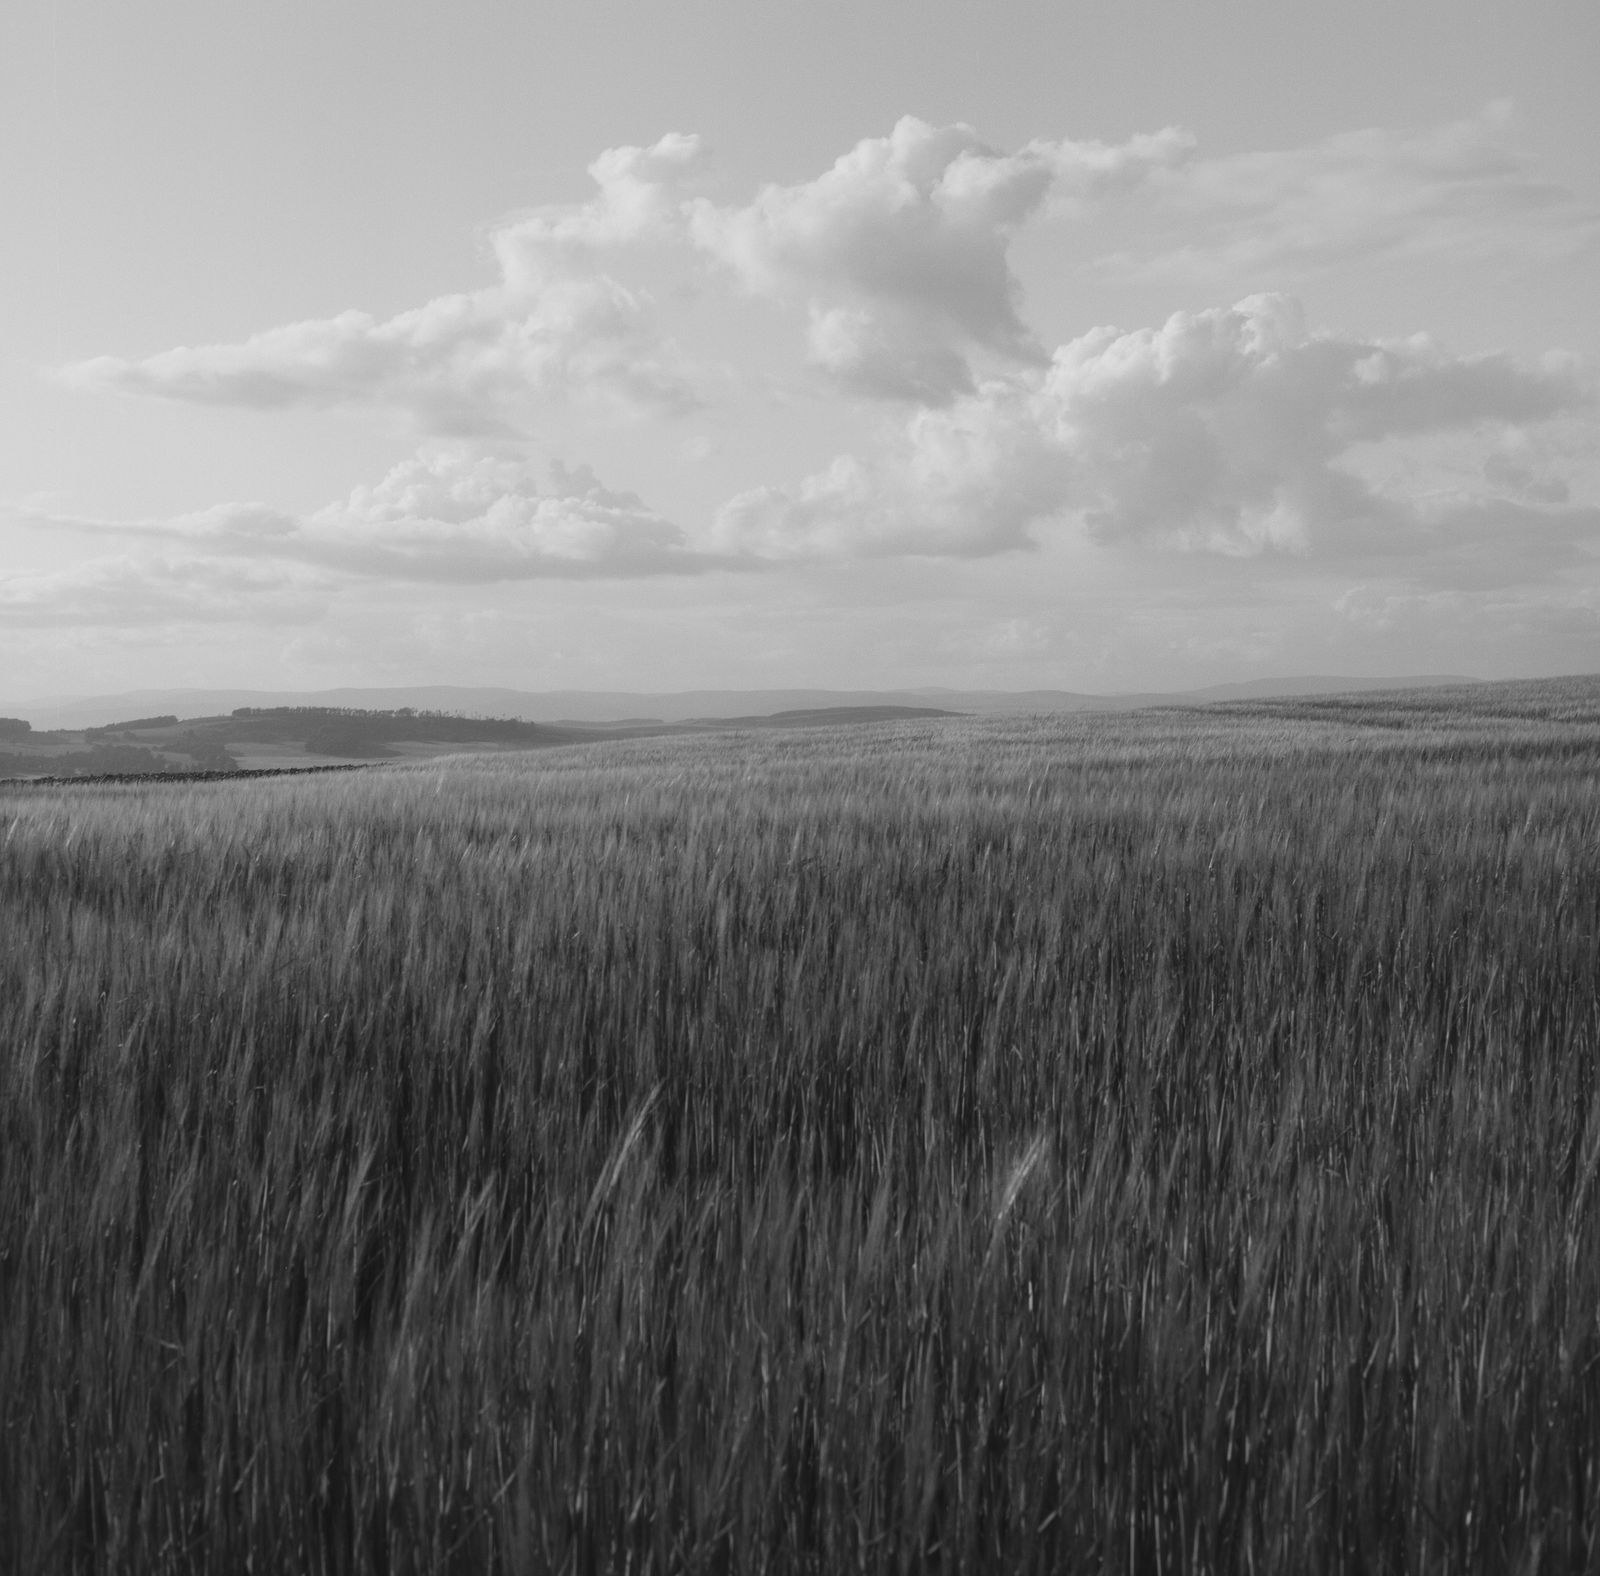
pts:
pixel 1148 1142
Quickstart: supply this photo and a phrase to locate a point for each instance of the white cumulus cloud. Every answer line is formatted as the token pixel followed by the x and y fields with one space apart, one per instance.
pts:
pixel 557 325
pixel 463 516
pixel 447 516
pixel 900 250
pixel 639 199
pixel 1232 431
pixel 898 255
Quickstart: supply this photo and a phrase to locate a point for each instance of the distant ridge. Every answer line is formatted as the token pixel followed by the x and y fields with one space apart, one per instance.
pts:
pixel 615 706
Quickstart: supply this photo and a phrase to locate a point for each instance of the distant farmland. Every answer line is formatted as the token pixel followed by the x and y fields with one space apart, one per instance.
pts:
pixel 1164 1141
pixel 290 738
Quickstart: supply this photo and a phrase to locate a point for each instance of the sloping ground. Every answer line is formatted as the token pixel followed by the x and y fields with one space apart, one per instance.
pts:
pixel 1566 700
pixel 278 738
pixel 1153 1142
pixel 825 717
pixel 259 738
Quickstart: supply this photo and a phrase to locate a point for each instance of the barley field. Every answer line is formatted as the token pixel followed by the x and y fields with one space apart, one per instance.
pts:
pixel 1151 1142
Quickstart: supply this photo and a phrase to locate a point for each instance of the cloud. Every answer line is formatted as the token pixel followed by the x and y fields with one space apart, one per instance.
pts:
pixel 1482 617
pixel 1457 190
pixel 1521 481
pixel 968 481
pixel 639 199
pixel 451 516
pixel 898 255
pixel 1232 431
pixel 900 250
pixel 556 326
pixel 129 591
pixel 460 365
pixel 469 517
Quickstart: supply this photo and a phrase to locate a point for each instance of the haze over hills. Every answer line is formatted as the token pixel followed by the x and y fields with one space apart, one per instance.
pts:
pixel 613 706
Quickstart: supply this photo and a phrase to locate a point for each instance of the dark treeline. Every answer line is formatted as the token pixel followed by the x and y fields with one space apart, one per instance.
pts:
pixel 132 724
pixel 339 730
pixel 297 722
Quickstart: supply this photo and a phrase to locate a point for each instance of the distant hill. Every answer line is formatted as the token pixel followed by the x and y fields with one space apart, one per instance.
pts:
pixel 271 738
pixel 289 738
pixel 823 717
pixel 622 707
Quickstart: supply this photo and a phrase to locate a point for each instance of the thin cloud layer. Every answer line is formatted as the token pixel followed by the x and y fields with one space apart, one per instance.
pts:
pixel 1458 190
pixel 461 365
pixel 1230 431
pixel 129 591
pixel 441 518
pixel 900 250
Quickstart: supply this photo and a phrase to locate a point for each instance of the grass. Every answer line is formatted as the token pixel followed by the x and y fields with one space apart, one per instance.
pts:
pixel 1156 1142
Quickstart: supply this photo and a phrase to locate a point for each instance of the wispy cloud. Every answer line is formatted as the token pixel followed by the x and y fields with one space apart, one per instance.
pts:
pixel 1457 190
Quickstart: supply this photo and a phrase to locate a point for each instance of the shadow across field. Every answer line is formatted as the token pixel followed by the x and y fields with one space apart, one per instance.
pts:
pixel 1163 1141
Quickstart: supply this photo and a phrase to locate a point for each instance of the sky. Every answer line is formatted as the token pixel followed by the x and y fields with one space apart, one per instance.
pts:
pixel 1104 346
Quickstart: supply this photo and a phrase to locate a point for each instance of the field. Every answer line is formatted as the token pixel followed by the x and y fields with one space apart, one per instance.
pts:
pixel 1152 1142
pixel 285 738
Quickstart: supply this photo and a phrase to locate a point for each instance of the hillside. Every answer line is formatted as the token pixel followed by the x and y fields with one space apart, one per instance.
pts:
pixel 281 738
pixel 813 1148
pixel 260 739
